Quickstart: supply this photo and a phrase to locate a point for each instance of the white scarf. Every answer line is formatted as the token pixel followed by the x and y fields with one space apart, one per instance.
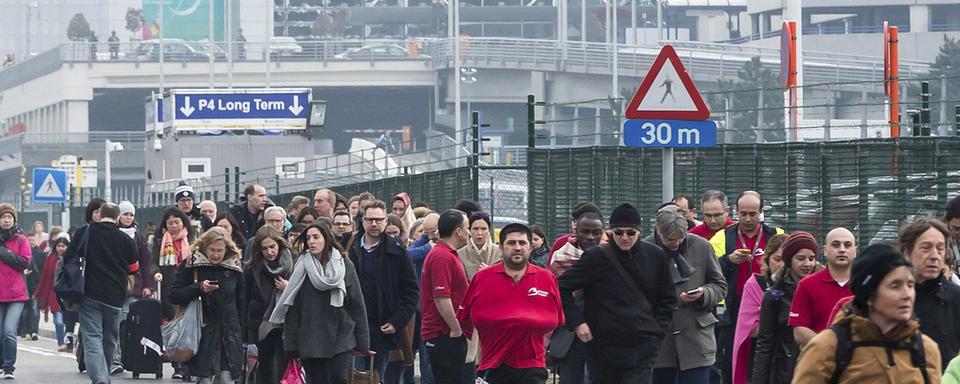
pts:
pixel 330 278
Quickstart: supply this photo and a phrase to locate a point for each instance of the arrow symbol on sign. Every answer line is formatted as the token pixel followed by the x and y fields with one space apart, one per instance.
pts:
pixel 187 109
pixel 296 108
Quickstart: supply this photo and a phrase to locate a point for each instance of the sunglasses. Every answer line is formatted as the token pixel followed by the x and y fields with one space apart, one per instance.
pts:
pixel 628 232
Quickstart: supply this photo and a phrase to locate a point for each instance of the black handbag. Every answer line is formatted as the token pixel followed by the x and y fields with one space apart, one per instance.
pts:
pixel 560 342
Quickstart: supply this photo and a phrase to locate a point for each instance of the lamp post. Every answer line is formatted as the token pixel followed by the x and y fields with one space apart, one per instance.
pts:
pixel 109 146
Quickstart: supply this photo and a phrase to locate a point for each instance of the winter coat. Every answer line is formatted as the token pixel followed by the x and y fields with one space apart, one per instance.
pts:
pixel 39 257
pixel 539 256
pixel 14 286
pixel 316 330
pixel 776 350
pixel 692 342
pixel 398 291
pixel 952 374
pixel 249 223
pixel 937 308
pixel 220 335
pixel 867 364
pixel 262 295
pixel 622 323
pixel 45 295
pixel 143 278
pixel 471 256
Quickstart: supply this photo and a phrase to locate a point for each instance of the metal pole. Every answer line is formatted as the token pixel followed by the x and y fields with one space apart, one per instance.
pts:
pixel 458 130
pixel 475 157
pixel 633 20
pixel 863 118
pixel 760 116
pixel 268 31
pixel 210 39
pixel 532 124
pixel 614 36
pixel 583 20
pixel 228 18
pixel 667 161
pixel 107 184
pixel 944 129
pixel 162 54
pixel 226 184
pixel 659 22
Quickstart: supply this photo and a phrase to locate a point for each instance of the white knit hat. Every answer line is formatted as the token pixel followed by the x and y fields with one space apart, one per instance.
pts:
pixel 126 206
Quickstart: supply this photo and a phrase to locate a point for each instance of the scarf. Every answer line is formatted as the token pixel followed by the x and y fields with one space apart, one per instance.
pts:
pixel 132 231
pixel 680 269
pixel 282 266
pixel 7 234
pixel 323 278
pixel 174 250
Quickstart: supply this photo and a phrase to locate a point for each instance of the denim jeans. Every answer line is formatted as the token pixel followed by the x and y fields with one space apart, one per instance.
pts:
pixel 9 319
pixel 59 327
pixel 100 326
pixel 30 317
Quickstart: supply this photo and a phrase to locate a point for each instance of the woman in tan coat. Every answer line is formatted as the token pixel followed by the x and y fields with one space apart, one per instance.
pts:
pixel 877 329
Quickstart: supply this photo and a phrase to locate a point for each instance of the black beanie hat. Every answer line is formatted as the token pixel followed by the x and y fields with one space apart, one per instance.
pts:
pixel 625 216
pixel 870 267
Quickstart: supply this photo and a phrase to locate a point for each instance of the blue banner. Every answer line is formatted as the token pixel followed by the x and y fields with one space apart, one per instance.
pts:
pixel 218 106
pixel 670 133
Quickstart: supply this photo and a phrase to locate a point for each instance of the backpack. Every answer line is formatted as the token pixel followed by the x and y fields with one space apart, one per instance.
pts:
pixel 846 345
pixel 70 281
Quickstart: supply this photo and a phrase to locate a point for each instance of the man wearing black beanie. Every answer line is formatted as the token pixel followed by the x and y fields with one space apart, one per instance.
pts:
pixel 629 299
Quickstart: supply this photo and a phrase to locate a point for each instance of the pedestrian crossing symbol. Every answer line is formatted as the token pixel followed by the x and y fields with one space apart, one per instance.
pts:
pixel 667 92
pixel 49 185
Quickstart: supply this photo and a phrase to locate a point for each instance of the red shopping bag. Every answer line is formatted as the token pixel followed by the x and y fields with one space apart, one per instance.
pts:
pixel 293 374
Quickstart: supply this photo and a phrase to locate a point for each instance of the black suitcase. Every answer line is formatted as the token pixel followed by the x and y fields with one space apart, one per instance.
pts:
pixel 141 343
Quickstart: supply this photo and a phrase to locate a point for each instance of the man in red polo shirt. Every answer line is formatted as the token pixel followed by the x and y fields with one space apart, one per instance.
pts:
pixel 716 215
pixel 817 294
pixel 513 305
pixel 443 285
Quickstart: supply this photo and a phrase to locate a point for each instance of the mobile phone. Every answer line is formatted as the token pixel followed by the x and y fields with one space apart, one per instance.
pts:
pixel 214 282
pixel 693 291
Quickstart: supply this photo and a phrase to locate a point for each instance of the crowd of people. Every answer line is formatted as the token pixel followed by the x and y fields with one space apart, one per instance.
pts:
pixel 342 285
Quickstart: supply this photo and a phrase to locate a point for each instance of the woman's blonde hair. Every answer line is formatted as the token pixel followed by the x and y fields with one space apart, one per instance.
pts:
pixel 213 235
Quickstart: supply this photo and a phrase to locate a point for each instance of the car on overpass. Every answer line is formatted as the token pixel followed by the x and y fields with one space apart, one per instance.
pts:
pixel 376 52
pixel 174 50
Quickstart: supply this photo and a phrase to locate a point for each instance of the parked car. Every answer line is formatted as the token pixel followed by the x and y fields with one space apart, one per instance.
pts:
pixel 284 46
pixel 174 50
pixel 374 52
pixel 201 46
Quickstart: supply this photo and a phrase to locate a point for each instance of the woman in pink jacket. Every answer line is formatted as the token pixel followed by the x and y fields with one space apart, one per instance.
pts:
pixel 14 258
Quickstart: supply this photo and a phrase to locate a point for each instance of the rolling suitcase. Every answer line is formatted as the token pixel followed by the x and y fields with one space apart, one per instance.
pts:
pixel 141 343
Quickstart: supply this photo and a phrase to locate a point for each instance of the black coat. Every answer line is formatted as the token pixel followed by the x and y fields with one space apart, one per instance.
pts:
pixel 620 321
pixel 938 309
pixel 259 297
pixel 249 223
pixel 220 335
pixel 397 287
pixel 776 351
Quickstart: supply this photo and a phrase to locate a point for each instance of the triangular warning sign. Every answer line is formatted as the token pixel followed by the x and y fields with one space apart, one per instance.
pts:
pixel 667 92
pixel 49 189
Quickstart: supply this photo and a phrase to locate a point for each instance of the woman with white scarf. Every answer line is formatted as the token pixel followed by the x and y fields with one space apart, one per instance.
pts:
pixel 322 311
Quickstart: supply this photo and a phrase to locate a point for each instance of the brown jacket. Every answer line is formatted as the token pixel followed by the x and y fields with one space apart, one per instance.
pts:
pixel 868 364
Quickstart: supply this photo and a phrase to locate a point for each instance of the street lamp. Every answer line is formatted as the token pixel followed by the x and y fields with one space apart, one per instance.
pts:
pixel 109 147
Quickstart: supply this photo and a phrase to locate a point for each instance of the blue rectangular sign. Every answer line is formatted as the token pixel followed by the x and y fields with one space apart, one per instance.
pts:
pixel 218 106
pixel 49 185
pixel 670 133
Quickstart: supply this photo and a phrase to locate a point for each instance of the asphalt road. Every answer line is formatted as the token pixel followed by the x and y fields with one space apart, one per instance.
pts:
pixel 39 362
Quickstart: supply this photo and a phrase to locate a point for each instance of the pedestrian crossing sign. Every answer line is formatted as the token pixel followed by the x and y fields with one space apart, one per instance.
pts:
pixel 49 185
pixel 667 92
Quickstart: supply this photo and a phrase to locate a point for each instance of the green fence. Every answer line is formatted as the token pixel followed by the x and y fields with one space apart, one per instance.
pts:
pixel 868 186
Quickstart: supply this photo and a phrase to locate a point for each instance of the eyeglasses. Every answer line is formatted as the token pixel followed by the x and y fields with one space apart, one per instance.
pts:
pixel 374 219
pixel 433 232
pixel 341 224
pixel 628 232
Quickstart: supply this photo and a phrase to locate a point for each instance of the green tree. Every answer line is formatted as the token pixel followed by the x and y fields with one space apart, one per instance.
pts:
pixel 79 28
pixel 744 94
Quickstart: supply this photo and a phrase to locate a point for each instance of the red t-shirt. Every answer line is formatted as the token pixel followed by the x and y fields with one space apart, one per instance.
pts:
pixel 443 276
pixel 704 231
pixel 758 241
pixel 815 297
pixel 513 319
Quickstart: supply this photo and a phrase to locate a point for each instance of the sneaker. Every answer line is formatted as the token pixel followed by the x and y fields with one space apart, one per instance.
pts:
pixel 177 376
pixel 63 348
pixel 8 375
pixel 117 369
pixel 34 337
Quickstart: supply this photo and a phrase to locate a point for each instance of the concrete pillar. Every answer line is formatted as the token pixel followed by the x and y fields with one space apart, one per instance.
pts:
pixel 919 18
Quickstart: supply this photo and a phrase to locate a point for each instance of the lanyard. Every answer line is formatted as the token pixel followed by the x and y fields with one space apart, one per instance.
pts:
pixel 756 245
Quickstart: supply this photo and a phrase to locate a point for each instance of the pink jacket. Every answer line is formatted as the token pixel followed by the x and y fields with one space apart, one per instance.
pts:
pixel 14 286
pixel 748 319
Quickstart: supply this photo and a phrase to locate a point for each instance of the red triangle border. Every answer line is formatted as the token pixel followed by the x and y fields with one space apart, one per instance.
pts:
pixel 667 53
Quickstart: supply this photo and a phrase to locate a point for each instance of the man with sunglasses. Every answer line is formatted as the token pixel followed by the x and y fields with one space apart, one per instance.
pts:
pixel 389 285
pixel 628 302
pixel 740 250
